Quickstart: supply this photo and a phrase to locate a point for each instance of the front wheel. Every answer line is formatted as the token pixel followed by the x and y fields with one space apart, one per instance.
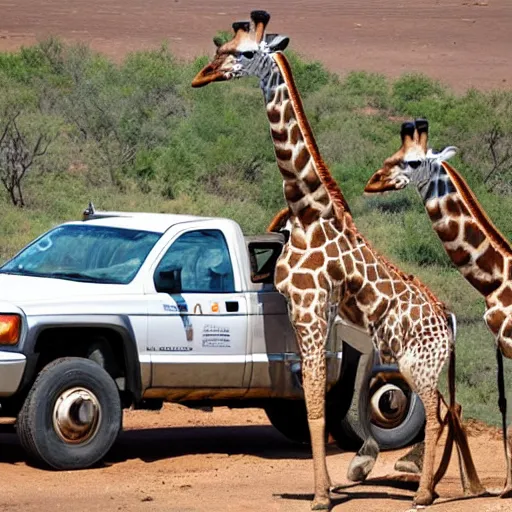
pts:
pixel 71 416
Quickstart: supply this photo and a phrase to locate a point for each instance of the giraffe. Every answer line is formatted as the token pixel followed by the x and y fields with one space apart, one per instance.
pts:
pixel 327 268
pixel 476 247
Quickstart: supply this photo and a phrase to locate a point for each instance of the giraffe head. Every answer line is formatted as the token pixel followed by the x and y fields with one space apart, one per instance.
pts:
pixel 412 163
pixel 245 54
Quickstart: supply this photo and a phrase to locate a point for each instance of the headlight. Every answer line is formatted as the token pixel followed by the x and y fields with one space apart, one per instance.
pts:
pixel 10 326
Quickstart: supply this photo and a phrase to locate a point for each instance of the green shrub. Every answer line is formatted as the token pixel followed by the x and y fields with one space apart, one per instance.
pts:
pixel 413 88
pixel 420 244
pixel 135 136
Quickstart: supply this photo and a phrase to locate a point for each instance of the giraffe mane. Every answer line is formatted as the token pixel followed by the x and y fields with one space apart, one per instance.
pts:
pixel 471 202
pixel 327 180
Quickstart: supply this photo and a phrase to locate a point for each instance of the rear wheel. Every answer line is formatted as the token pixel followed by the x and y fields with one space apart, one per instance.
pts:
pixel 397 415
pixel 71 416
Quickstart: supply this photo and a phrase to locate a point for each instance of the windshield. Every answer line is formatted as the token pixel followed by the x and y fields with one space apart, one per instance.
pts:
pixel 95 254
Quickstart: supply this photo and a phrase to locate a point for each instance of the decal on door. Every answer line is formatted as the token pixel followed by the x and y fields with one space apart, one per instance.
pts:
pixel 215 336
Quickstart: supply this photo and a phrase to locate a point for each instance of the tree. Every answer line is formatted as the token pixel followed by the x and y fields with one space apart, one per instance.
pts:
pixel 17 156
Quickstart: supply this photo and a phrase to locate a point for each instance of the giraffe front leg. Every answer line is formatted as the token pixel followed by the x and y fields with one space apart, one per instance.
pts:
pixel 425 494
pixel 311 344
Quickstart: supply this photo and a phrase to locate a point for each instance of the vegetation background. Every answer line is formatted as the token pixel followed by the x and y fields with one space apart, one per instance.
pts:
pixel 135 136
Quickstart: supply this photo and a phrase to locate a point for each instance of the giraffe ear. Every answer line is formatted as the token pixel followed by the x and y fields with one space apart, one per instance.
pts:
pixel 276 43
pixel 443 155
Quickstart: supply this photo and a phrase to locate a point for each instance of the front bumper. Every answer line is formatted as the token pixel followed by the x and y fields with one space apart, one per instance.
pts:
pixel 12 366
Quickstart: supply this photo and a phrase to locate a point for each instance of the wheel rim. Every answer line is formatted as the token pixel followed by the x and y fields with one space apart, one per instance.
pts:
pixel 76 415
pixel 389 406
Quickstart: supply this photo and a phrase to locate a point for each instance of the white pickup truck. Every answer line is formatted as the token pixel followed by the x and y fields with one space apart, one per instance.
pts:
pixel 125 310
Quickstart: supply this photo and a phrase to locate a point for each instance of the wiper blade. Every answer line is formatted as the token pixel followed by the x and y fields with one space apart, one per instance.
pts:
pixel 73 275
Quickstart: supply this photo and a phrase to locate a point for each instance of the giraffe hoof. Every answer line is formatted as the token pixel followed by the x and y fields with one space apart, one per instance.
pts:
pixel 478 490
pixel 321 504
pixel 360 468
pixel 423 499
pixel 412 461
pixel 407 466
pixel 506 493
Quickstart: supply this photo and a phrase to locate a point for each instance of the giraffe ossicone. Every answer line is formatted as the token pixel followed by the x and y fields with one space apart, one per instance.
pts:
pixel 472 242
pixel 328 266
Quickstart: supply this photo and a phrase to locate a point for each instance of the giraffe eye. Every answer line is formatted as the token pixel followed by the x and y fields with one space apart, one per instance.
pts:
pixel 248 55
pixel 414 163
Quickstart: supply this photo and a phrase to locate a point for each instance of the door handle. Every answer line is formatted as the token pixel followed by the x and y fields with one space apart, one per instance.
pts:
pixel 231 306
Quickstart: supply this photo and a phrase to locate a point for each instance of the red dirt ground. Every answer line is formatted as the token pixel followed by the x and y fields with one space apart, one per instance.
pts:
pixel 461 42
pixel 183 460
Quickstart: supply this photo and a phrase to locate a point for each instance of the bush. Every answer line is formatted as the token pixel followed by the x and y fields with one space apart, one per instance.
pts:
pixel 413 88
pixel 420 244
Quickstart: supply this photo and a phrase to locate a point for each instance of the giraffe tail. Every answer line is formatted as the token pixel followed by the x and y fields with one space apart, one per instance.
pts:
pixel 452 322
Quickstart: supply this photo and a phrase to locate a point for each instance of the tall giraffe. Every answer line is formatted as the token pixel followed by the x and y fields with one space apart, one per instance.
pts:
pixel 327 267
pixel 476 247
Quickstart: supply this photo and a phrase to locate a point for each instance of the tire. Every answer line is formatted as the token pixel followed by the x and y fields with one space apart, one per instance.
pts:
pixel 290 418
pixel 409 430
pixel 405 431
pixel 70 388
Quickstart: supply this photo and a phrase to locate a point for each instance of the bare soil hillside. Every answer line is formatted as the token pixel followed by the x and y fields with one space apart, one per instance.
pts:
pixel 461 42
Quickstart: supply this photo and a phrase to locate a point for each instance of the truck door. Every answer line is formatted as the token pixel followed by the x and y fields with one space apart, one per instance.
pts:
pixel 197 329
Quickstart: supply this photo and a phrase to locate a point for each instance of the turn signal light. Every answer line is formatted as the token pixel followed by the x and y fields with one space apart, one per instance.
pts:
pixel 10 326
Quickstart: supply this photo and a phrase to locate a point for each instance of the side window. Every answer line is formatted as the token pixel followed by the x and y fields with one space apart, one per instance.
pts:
pixel 263 257
pixel 198 261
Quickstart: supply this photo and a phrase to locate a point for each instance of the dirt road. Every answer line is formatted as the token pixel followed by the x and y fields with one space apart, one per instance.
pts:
pixel 229 461
pixel 461 42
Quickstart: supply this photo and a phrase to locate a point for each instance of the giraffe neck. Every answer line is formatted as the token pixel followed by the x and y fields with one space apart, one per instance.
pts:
pixel 473 243
pixel 309 189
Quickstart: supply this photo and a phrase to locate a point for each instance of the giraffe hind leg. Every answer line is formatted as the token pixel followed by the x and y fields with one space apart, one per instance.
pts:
pixel 425 494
